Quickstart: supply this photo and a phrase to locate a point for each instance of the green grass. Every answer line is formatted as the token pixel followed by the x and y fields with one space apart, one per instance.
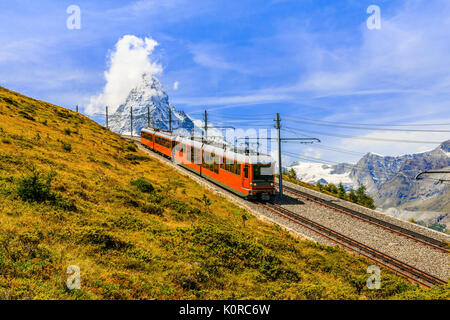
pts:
pixel 138 229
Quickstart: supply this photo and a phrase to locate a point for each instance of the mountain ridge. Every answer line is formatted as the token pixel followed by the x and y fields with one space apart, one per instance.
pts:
pixel 148 97
pixel 390 180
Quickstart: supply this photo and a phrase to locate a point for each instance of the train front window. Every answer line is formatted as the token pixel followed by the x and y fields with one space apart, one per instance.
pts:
pixel 263 172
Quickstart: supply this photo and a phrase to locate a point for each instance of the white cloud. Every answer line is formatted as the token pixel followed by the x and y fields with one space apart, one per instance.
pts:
pixel 395 148
pixel 232 101
pixel 211 56
pixel 407 55
pixel 175 85
pixel 129 61
pixel 313 153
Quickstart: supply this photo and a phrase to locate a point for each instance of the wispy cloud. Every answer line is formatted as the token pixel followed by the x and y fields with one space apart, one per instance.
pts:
pixel 211 56
pixel 232 101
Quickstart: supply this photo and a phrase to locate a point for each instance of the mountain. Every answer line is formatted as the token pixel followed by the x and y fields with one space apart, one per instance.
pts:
pixel 391 181
pixel 314 172
pixel 149 93
pixel 373 170
pixel 403 190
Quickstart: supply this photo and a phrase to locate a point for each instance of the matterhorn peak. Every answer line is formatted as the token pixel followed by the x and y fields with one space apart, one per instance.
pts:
pixel 148 98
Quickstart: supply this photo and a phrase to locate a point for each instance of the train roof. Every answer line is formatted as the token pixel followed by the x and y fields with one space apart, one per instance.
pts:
pixel 162 133
pixel 221 149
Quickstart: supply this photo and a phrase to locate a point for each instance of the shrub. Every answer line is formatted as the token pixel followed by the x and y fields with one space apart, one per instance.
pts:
pixel 143 185
pixel 66 146
pixel 352 196
pixel 341 191
pixel 64 203
pixel 67 131
pixel 206 203
pixel 244 218
pixel 363 199
pixel 152 209
pixel 105 240
pixel 26 116
pixel 134 157
pixel 131 148
pixel 182 208
pixel 292 174
pixel 35 187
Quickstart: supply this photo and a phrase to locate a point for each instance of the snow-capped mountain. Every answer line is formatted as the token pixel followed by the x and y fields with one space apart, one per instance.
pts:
pixel 326 174
pixel 149 93
pixel 401 189
pixel 391 180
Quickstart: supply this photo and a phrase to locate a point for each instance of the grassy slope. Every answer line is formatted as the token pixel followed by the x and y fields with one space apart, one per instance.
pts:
pixel 110 230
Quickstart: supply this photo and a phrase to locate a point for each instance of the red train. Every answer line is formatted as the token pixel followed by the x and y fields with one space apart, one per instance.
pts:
pixel 246 174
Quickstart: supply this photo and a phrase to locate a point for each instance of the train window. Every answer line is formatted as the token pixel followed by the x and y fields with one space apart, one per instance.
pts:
pixel 263 172
pixel 198 156
pixel 146 135
pixel 208 160
pixel 238 168
pixel 216 164
pixel 246 171
pixel 233 167
pixel 205 162
pixel 204 159
pixel 192 155
pixel 222 163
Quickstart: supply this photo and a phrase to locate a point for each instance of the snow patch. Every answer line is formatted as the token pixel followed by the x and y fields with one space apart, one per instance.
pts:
pixel 313 172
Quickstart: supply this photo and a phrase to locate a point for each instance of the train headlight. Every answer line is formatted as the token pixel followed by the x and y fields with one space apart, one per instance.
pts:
pixel 251 183
pixel 271 184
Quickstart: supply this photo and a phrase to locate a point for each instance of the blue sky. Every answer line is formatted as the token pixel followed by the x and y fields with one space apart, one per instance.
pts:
pixel 250 59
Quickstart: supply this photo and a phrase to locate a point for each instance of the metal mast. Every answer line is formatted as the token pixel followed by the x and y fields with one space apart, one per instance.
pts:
pixel 280 167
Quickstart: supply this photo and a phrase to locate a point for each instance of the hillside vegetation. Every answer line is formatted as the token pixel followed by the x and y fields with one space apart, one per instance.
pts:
pixel 358 196
pixel 74 193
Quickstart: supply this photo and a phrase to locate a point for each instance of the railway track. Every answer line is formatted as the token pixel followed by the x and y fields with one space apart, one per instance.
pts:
pixel 418 237
pixel 415 275
pixel 401 268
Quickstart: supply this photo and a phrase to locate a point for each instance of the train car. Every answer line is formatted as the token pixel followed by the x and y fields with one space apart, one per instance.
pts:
pixel 243 172
pixel 158 140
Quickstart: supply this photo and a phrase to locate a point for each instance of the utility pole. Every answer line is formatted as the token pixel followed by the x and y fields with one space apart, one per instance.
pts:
pixel 76 108
pixel 170 119
pixel 280 167
pixel 148 117
pixel 279 140
pixel 131 121
pixel 106 113
pixel 206 124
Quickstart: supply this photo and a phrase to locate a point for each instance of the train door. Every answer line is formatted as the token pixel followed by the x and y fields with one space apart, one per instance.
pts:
pixel 246 176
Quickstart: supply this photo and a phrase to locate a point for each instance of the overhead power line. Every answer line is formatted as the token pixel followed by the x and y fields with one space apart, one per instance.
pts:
pixel 316 123
pixel 331 162
pixel 432 172
pixel 372 124
pixel 366 138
